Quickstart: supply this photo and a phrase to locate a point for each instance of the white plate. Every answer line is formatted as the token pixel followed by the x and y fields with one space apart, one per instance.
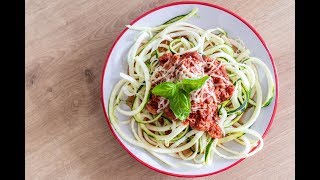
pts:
pixel 211 16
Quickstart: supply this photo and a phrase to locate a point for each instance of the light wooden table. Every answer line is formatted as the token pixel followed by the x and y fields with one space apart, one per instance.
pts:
pixel 66 133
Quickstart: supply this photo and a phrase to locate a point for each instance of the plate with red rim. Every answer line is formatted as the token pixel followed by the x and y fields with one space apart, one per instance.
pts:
pixel 209 16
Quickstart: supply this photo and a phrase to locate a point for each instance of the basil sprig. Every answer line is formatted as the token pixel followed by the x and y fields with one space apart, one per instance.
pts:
pixel 179 94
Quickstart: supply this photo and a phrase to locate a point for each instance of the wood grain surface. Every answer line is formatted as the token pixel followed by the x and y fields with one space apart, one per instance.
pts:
pixel 66 133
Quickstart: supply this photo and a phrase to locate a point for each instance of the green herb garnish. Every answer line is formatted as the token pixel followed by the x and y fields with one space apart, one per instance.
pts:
pixel 179 94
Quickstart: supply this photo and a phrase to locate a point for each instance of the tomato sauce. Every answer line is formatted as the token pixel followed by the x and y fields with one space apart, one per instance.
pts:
pixel 204 114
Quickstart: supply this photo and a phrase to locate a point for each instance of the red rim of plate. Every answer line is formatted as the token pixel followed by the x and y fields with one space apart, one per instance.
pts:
pixel 173 4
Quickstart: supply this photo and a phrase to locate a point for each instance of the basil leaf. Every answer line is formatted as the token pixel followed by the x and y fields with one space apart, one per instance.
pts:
pixel 180 105
pixel 179 94
pixel 189 85
pixel 165 89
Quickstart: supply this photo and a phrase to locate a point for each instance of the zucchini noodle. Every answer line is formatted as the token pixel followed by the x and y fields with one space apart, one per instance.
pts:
pixel 159 135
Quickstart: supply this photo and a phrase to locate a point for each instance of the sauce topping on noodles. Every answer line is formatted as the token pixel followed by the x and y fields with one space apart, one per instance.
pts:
pixel 204 101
